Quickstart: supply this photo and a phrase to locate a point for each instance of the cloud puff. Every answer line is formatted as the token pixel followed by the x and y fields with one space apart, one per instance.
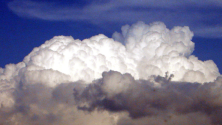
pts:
pixel 153 78
pixel 149 50
pixel 203 17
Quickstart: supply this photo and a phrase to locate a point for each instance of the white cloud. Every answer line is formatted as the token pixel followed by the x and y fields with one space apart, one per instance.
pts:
pixel 155 78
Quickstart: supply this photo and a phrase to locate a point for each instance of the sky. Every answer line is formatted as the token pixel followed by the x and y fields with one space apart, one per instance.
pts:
pixel 110 62
pixel 26 24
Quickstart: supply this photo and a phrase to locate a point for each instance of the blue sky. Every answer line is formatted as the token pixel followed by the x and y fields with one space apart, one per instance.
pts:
pixel 25 24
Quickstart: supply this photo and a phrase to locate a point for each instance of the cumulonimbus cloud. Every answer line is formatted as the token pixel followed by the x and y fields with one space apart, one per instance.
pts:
pixel 192 13
pixel 153 79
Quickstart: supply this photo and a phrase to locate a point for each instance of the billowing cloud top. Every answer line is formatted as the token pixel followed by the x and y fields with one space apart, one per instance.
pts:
pixel 154 76
pixel 149 50
pixel 204 17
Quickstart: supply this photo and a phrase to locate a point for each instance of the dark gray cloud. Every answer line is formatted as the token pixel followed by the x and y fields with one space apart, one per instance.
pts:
pixel 204 18
pixel 143 99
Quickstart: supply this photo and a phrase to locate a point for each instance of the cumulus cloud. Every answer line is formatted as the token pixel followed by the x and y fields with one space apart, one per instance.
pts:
pixel 153 79
pixel 195 14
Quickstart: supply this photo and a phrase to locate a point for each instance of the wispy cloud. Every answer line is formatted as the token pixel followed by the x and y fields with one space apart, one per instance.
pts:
pixel 204 17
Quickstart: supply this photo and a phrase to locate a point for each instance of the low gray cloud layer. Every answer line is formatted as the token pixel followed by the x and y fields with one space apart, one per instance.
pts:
pixel 203 16
pixel 116 99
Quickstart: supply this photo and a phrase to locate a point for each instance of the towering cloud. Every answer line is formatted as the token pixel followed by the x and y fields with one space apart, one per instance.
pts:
pixel 153 79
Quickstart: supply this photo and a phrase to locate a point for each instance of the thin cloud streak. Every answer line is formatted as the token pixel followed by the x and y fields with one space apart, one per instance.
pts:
pixel 194 14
